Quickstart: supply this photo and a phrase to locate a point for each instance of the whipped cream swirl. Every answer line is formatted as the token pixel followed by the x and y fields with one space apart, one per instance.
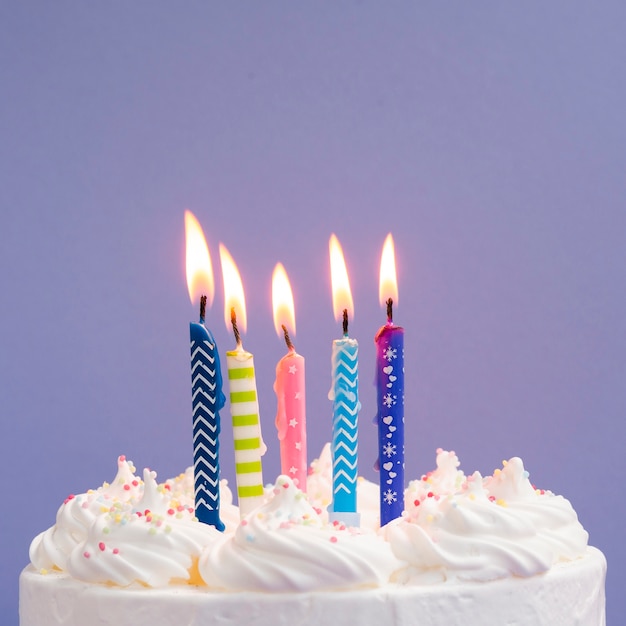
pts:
pixel 285 546
pixel 482 529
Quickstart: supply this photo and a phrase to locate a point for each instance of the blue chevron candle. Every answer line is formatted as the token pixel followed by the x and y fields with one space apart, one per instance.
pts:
pixel 206 379
pixel 207 400
pixel 344 394
pixel 390 395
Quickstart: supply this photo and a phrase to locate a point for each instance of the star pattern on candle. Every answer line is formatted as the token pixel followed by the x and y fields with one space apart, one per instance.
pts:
pixel 293 369
pixel 293 422
pixel 297 395
pixel 298 445
pixel 293 471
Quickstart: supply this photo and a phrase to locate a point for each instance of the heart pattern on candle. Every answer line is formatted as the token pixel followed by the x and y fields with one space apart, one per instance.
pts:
pixel 390 396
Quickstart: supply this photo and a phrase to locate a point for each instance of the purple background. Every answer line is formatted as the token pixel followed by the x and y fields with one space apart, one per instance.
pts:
pixel 487 137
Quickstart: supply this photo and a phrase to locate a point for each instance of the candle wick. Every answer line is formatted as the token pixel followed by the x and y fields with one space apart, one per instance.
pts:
pixel 233 320
pixel 345 322
pixel 287 338
pixel 390 310
pixel 202 308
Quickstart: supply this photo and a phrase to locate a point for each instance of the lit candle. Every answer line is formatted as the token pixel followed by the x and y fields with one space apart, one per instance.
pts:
pixel 390 394
pixel 289 385
pixel 244 405
pixel 206 380
pixel 344 394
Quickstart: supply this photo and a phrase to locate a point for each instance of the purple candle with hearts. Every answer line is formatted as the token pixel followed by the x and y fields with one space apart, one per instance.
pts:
pixel 390 395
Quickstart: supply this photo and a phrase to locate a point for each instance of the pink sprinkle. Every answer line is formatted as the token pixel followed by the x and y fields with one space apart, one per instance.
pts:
pixel 135 483
pixel 86 555
pixel 139 513
pixel 170 511
pixel 168 487
pixel 430 494
pixel 101 546
pixel 333 539
pixel 127 487
pixel 70 497
pixel 116 551
pixel 492 498
pixel 285 485
pixel 122 457
pixel 180 508
pixel 244 522
pixel 416 502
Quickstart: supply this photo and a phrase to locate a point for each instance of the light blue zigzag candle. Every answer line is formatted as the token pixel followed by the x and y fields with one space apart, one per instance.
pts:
pixel 207 400
pixel 344 394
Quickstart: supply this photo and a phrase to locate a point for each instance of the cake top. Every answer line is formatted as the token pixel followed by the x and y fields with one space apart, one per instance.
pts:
pixel 138 531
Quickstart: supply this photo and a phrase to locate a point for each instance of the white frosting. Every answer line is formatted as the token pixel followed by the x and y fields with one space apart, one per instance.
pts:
pixel 570 593
pixel 154 544
pixel 75 516
pixel 482 529
pixel 454 528
pixel 285 546
pixel 129 531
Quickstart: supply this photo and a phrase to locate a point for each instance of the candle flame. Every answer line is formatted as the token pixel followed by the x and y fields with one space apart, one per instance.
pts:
pixel 342 296
pixel 282 301
pixel 198 261
pixel 233 290
pixel 388 285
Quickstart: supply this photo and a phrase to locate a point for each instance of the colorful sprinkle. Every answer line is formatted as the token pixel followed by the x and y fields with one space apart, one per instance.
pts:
pixel 102 546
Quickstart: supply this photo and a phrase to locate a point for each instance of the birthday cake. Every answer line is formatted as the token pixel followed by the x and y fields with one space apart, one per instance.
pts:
pixel 467 549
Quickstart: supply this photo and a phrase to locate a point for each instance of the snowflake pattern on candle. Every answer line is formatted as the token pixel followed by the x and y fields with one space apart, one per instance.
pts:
pixel 390 418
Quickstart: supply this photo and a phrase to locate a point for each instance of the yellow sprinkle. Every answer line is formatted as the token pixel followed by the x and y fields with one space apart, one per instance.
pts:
pixel 104 509
pixel 501 502
pixel 505 463
pixel 43 571
pixel 429 518
pixel 497 472
pixel 472 496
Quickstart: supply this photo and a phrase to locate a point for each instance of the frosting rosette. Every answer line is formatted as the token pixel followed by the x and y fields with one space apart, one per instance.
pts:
pixel 482 529
pixel 51 548
pixel 155 544
pixel 130 530
pixel 284 545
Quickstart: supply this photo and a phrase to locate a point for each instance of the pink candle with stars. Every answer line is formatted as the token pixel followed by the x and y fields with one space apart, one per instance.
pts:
pixel 289 386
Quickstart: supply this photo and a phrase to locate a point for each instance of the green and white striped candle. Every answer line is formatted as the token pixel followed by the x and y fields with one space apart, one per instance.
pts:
pixel 249 446
pixel 244 405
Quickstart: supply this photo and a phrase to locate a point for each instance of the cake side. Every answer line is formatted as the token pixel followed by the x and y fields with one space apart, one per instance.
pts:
pixel 570 594
pixel 464 545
